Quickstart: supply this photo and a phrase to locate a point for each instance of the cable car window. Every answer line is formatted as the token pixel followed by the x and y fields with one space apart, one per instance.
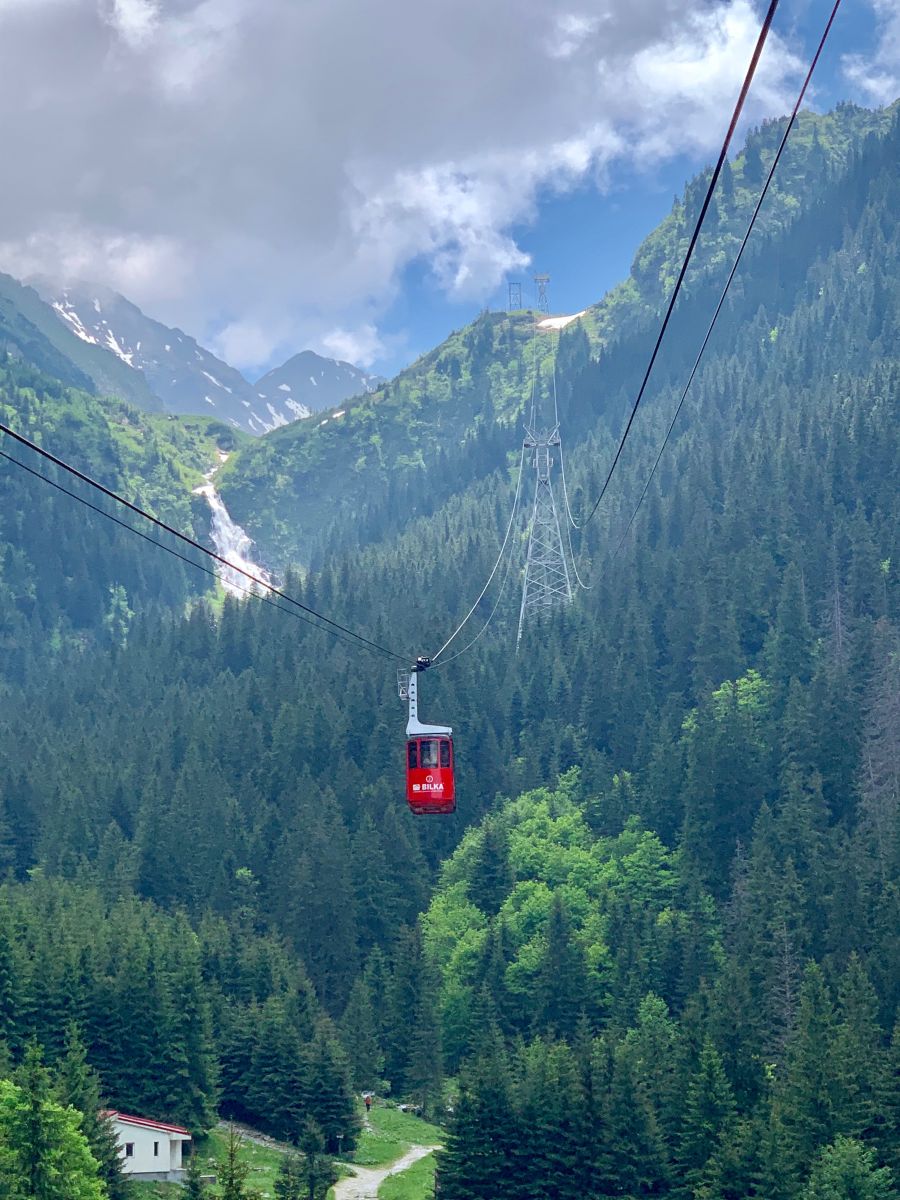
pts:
pixel 412 751
pixel 445 753
pixel 428 752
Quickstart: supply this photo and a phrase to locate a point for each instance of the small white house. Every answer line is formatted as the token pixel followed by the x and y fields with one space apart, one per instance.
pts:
pixel 150 1150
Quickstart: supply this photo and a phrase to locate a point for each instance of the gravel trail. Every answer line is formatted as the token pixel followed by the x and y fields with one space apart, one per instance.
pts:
pixel 366 1181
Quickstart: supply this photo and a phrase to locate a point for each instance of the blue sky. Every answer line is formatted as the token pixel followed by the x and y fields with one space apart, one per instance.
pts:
pixel 272 176
pixel 586 238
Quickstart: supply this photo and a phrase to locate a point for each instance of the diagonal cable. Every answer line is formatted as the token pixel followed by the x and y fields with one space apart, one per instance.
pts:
pixel 735 116
pixel 733 271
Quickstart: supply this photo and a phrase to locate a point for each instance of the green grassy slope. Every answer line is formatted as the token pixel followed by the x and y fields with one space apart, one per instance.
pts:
pixel 415 1183
pixel 66 569
pixel 390 1135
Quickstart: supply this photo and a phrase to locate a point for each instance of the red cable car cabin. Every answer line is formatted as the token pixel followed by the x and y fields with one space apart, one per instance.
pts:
pixel 429 775
pixel 429 753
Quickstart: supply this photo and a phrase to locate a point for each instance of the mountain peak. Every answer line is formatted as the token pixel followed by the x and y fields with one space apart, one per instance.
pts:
pixel 188 379
pixel 309 383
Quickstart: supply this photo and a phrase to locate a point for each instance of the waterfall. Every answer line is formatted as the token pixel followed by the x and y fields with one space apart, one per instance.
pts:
pixel 229 539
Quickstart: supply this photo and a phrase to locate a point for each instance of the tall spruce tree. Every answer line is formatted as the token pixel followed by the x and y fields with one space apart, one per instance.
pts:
pixel 78 1086
pixel 846 1169
pixel 809 1093
pixel 708 1116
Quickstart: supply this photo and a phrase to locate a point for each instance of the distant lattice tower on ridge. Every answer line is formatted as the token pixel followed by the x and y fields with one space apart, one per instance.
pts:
pixel 543 297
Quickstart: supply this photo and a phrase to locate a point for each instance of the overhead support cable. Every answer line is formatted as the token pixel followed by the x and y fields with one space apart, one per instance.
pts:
pixel 512 517
pixel 743 246
pixel 325 623
pixel 571 523
pixel 483 629
pixel 250 591
pixel 714 179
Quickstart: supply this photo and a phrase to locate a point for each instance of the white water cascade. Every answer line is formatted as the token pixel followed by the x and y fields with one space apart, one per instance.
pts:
pixel 230 540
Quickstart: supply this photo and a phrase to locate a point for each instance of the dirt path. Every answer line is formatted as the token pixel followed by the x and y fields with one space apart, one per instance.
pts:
pixel 366 1181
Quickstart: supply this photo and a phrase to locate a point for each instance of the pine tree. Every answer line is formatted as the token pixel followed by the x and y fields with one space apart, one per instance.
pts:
pixel 359 1034
pixel 232 1170
pixel 734 1170
pixel 291 1181
pixel 78 1085
pixel 413 1041
pixel 482 1137
pixel 43 1153
pixel 847 1169
pixel 491 877
pixel 808 1095
pixel 888 1137
pixel 327 1098
pixel 35 1147
pixel 790 640
pixel 654 1052
pixel 548 1099
pixel 562 992
pixel 858 1055
pixel 190 1066
pixel 275 1092
pixel 194 1187
pixel 632 1158
pixel 10 1007
pixel 708 1116
pixel 318 1170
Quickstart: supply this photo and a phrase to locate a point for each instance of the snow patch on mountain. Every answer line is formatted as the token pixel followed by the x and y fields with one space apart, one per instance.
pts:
pixel 72 319
pixel 314 383
pixel 127 356
pixel 189 379
pixel 560 322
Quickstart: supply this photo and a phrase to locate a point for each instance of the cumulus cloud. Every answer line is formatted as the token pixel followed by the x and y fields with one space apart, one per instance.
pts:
pixel 135 21
pixel 877 77
pixel 362 346
pixel 261 172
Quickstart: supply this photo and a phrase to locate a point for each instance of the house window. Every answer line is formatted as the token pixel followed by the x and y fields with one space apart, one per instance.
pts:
pixel 156 1149
pixel 129 1149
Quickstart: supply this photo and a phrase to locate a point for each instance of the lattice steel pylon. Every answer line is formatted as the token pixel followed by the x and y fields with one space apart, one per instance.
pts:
pixel 543 300
pixel 546 582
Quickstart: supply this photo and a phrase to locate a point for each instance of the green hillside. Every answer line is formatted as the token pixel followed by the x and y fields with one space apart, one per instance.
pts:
pixel 655 953
pixel 443 422
pixel 69 575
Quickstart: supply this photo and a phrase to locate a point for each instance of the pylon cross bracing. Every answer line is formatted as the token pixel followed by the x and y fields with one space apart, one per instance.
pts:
pixel 546 582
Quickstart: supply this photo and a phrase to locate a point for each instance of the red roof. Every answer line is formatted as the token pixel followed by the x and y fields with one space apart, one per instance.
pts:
pixel 145 1122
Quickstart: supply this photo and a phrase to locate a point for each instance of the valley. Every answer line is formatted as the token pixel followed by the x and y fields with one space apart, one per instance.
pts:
pixel 654 952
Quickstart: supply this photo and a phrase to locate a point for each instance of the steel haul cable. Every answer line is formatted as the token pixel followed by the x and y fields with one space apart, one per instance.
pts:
pixel 250 591
pixel 735 117
pixel 327 624
pixel 512 517
pixel 570 520
pixel 743 246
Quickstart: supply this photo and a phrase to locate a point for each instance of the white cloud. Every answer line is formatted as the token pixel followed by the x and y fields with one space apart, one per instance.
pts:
pixel 876 78
pixel 571 32
pixel 135 20
pixel 362 346
pixel 262 171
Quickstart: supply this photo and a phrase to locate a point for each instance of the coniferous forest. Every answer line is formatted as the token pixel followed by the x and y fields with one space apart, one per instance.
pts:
pixel 656 951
